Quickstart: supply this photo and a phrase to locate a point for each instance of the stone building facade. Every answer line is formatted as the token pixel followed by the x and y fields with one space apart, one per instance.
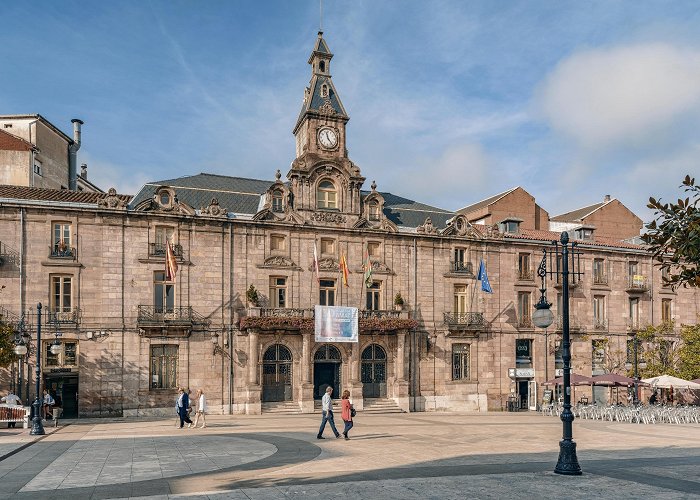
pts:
pixel 130 334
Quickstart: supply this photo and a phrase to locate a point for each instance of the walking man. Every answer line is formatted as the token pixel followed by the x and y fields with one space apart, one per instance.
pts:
pixel 327 411
pixel 183 403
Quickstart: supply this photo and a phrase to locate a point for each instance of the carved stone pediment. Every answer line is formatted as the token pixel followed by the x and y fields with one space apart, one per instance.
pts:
pixel 460 226
pixel 377 268
pixel 165 200
pixel 330 217
pixel 427 227
pixel 289 215
pixel 278 261
pixel 111 200
pixel 493 231
pixel 326 264
pixel 214 209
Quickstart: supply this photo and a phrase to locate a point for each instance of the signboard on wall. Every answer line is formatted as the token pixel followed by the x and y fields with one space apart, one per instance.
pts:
pixel 336 324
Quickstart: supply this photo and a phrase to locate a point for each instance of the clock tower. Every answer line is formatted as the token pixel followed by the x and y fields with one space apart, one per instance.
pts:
pixel 321 151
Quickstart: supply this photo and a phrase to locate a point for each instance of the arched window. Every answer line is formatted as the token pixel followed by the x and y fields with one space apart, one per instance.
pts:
pixel 326 195
pixel 324 90
pixel 322 66
pixel 374 210
pixel 277 201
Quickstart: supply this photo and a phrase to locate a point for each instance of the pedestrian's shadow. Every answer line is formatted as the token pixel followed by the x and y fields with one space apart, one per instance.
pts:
pixel 369 436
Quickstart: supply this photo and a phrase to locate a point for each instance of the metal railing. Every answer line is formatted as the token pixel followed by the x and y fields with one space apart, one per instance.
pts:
pixel 160 249
pixel 525 322
pixel 379 314
pixel 56 318
pixel 600 279
pixel 461 267
pixel 472 319
pixel 525 275
pixel 574 324
pixel 600 324
pixel 634 324
pixel 637 283
pixel 166 316
pixel 62 252
pixel 283 312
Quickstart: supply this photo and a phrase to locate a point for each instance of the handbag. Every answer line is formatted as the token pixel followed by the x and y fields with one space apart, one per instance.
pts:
pixel 352 412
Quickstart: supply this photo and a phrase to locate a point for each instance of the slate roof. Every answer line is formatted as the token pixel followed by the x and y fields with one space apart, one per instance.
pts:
pixel 485 203
pixel 62 195
pixel 235 194
pixel 578 214
pixel 242 196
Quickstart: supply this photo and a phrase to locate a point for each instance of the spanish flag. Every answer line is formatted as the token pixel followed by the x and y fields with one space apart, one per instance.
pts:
pixel 344 269
pixel 170 263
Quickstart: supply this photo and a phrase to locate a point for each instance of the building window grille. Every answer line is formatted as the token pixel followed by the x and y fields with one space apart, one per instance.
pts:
pixel 374 293
pixel 278 292
pixel 163 293
pixel 326 195
pixel 460 361
pixel 164 366
pixel 327 293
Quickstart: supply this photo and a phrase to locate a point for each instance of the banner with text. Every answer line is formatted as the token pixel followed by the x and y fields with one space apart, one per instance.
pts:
pixel 336 324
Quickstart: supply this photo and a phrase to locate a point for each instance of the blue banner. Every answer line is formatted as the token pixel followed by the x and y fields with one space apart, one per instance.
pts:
pixel 336 324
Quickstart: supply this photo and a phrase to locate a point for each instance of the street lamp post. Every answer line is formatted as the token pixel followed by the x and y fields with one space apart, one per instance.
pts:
pixel 37 427
pixel 567 463
pixel 637 365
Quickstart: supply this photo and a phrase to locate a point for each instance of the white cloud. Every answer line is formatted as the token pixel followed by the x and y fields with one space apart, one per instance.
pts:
pixel 605 98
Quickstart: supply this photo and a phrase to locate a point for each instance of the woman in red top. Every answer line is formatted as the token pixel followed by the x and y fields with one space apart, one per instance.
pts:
pixel 345 413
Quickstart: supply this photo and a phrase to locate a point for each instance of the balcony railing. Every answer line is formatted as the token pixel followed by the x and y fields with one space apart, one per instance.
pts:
pixel 525 322
pixel 464 319
pixel 159 316
pixel 600 324
pixel 379 314
pixel 634 324
pixel 574 324
pixel 282 312
pixel 160 249
pixel 57 318
pixel 62 252
pixel 600 279
pixel 461 267
pixel 574 282
pixel 637 283
pixel 525 275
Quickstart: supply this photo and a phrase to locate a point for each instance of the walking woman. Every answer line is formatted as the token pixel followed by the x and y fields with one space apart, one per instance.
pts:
pixel 201 409
pixel 346 412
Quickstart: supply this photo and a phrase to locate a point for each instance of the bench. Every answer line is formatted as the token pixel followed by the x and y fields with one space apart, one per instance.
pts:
pixel 14 414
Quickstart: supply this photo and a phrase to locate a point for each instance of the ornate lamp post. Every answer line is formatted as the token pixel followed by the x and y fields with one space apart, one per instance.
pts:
pixel 637 365
pixel 568 462
pixel 37 427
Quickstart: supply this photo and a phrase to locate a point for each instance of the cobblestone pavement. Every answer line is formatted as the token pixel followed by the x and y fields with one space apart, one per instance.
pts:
pixel 419 455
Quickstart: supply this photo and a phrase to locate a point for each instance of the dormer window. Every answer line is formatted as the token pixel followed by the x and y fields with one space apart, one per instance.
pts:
pixel 511 226
pixel 324 90
pixel 165 199
pixel 584 233
pixel 373 210
pixel 277 205
pixel 326 195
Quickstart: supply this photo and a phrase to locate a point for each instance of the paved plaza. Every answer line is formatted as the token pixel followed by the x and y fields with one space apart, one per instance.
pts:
pixel 419 455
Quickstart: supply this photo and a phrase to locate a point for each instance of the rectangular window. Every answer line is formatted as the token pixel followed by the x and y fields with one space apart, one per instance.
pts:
pixel 523 353
pixel 632 269
pixel 634 313
pixel 373 248
pixel 66 356
pixel 50 359
pixel 599 314
pixel 666 314
pixel 277 205
pixel 164 235
pixel 524 267
pixel 374 211
pixel 278 243
pixel 327 246
pixel 460 299
pixel 460 361
pixel 61 294
pixel 164 366
pixel 37 168
pixel 460 263
pixel 163 293
pixel 327 293
pixel 70 354
pixel 61 240
pixel 278 292
pixel 374 294
pixel 524 309
pixel 599 275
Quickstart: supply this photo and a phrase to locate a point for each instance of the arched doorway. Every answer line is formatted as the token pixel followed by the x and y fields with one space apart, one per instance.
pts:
pixel 327 362
pixel 373 372
pixel 277 374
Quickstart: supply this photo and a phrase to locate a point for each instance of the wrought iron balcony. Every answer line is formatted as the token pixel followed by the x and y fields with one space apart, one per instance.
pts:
pixel 283 312
pixel 525 275
pixel 62 252
pixel 634 324
pixel 600 324
pixel 57 318
pixel 525 322
pixel 379 314
pixel 464 320
pixel 573 282
pixel 461 267
pixel 160 249
pixel 637 283
pixel 574 324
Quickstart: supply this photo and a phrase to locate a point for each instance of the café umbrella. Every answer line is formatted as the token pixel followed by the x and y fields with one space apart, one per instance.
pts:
pixel 575 379
pixel 667 382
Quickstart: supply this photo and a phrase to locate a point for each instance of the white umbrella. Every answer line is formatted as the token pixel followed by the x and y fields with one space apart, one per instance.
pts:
pixel 667 381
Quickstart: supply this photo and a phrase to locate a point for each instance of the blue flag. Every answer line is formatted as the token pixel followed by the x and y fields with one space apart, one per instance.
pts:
pixel 485 285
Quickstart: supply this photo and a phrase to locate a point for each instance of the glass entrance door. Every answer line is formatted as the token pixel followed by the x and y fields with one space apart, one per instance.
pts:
pixel 373 370
pixel 277 374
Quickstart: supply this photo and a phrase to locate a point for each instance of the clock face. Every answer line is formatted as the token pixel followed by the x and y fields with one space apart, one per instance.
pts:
pixel 327 137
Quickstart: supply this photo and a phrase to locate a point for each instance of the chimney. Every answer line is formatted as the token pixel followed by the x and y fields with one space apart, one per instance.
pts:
pixel 83 171
pixel 73 155
pixel 606 199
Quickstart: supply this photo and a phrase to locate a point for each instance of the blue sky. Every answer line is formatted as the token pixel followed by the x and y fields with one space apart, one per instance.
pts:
pixel 449 101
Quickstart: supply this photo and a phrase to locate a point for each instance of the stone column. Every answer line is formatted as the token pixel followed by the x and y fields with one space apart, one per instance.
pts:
pixel 306 399
pixel 401 384
pixel 252 357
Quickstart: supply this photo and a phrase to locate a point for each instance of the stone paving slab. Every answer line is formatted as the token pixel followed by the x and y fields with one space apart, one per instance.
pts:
pixel 424 455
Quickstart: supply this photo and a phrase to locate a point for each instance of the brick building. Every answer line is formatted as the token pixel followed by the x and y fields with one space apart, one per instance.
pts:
pixel 130 335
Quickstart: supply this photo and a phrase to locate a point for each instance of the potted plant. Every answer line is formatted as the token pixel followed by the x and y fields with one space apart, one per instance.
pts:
pixel 398 301
pixel 251 296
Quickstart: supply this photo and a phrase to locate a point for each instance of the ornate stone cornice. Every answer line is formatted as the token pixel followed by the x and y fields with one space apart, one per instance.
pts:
pixel 278 261
pixel 331 217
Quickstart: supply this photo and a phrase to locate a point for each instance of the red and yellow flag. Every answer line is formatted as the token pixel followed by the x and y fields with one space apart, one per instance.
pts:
pixel 344 269
pixel 170 263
